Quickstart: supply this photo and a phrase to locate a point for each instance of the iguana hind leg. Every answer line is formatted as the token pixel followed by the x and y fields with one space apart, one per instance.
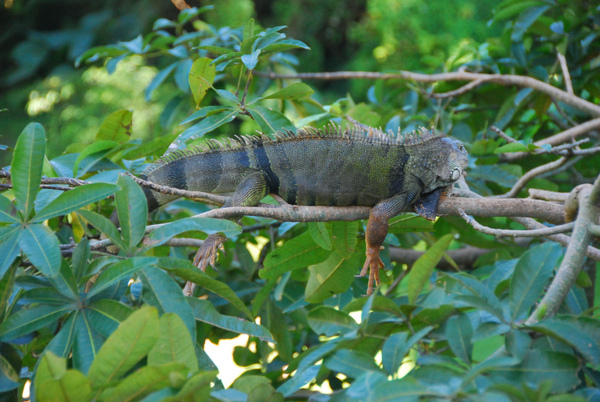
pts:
pixel 248 193
pixel 377 229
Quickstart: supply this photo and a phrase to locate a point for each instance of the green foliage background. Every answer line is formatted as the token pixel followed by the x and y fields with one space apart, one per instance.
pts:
pixel 88 325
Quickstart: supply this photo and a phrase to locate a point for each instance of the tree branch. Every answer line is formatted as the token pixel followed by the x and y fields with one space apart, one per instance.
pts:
pixel 501 79
pixel 572 263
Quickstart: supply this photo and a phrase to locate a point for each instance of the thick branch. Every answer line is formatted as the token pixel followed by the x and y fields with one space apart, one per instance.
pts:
pixel 572 263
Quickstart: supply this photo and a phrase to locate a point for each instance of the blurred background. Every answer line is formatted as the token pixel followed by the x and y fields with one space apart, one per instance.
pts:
pixel 41 39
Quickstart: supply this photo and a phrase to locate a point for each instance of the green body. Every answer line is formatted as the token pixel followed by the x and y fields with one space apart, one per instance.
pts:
pixel 331 167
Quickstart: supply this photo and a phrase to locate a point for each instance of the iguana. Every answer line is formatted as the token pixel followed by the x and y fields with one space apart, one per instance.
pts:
pixel 330 166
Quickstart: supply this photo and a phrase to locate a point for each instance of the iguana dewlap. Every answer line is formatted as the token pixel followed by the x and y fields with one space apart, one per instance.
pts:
pixel 331 166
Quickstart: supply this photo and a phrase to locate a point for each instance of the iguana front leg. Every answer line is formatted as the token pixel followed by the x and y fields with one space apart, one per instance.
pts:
pixel 247 194
pixel 377 229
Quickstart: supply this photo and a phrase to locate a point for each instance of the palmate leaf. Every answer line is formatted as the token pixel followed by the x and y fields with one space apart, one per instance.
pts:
pixel 207 225
pixel 144 381
pixel 55 383
pixel 28 320
pixel 26 167
pixel 187 271
pixel 131 342
pixel 40 245
pixel 87 343
pixel 106 315
pixel 9 249
pixel 132 209
pixel 7 211
pixel 163 293
pixel 104 225
pixel 123 269
pixel 174 344
pixel 204 311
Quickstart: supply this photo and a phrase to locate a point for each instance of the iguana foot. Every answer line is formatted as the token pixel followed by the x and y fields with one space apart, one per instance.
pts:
pixel 373 264
pixel 207 253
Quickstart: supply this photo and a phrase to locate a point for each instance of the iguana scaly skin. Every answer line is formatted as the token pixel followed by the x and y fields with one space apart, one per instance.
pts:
pixel 331 166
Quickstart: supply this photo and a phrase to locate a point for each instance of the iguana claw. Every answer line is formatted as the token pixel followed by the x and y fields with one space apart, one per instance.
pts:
pixel 207 253
pixel 373 264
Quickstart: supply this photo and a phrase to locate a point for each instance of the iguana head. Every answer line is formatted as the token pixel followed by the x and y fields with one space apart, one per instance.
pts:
pixel 442 162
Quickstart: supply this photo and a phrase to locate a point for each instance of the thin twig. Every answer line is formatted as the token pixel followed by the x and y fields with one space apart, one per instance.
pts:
pixel 206 198
pixel 501 79
pixel 459 91
pixel 502 134
pixel 44 186
pixel 565 70
pixel 560 138
pixel 520 184
pixel 52 180
pixel 567 227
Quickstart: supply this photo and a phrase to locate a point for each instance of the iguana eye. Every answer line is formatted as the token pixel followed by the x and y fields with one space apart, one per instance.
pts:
pixel 455 174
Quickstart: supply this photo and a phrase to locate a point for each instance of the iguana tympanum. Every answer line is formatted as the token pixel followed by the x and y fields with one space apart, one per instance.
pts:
pixel 330 166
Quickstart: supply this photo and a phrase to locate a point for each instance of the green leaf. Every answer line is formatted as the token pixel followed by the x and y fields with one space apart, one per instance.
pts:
pixel 320 234
pixel 459 332
pixel 329 321
pixel 163 293
pixel 47 296
pixel 7 282
pixel 204 311
pixel 104 225
pixel 10 365
pixel 397 346
pixel 283 45
pixel 512 147
pixel 270 121
pixel 74 199
pixel 201 77
pixel 344 237
pixel 217 49
pixel 123 269
pixel 55 383
pixel 31 319
pixel 207 125
pixel 131 342
pixel 351 363
pixel 251 60
pixel 492 363
pixel 203 112
pixel 98 150
pixel 207 225
pixel 159 78
pixel 405 390
pixel 187 271
pixel 296 253
pixel 116 127
pixel 295 91
pixel 542 365
pixel 106 315
pixel 196 387
pixel 410 224
pixel 248 29
pixel 581 333
pixel 40 245
pixel 81 257
pixel 174 345
pixel 87 343
pixel 145 381
pixel 532 272
pixel 26 167
pixel 132 209
pixel 62 342
pixel 7 211
pixel 423 267
pixel 332 276
pixel 525 20
pixel 9 250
